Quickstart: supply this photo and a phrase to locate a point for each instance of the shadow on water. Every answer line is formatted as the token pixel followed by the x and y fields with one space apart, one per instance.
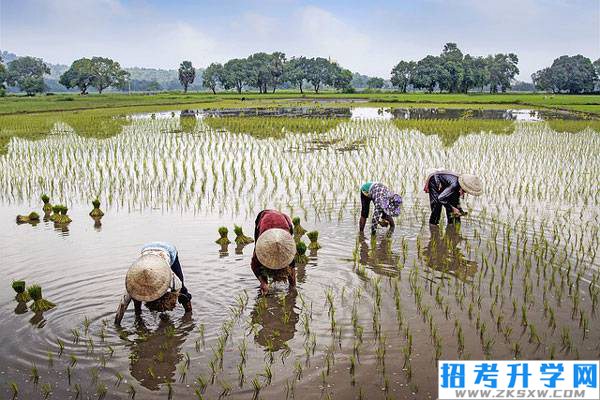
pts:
pixel 277 317
pixel 378 254
pixel 154 355
pixel 443 253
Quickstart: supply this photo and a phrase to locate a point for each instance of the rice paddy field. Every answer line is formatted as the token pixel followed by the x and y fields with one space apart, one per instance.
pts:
pixel 519 279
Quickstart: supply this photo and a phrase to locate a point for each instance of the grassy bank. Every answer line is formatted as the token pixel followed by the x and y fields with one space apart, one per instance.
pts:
pixel 164 101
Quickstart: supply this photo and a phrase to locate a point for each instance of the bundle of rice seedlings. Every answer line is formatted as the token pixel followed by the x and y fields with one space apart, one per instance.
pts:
pixel 32 217
pixel 299 231
pixel 47 208
pixel 61 217
pixel 19 287
pixel 39 304
pixel 301 257
pixel 55 212
pixel 96 212
pixel 314 244
pixel 240 238
pixel 223 231
pixel 166 302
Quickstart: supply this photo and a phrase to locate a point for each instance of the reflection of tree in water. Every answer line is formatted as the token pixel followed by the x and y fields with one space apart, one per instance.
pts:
pixel 443 253
pixel 154 355
pixel 277 316
pixel 378 254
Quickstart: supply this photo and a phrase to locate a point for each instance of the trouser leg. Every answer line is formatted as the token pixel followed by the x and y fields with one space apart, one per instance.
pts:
pixel 176 268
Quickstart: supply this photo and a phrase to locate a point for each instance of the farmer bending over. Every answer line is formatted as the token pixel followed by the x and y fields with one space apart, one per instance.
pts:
pixel 445 189
pixel 387 205
pixel 275 249
pixel 156 279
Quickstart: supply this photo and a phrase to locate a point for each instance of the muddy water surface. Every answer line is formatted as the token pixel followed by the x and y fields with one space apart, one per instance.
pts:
pixel 370 316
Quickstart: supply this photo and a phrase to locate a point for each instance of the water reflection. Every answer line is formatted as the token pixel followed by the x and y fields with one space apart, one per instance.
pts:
pixel 155 355
pixel 443 253
pixel 378 254
pixel 276 314
pixel 21 308
pixel 97 223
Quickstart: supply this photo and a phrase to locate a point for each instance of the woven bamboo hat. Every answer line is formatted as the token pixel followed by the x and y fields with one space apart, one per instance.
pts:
pixel 470 184
pixel 275 248
pixel 148 278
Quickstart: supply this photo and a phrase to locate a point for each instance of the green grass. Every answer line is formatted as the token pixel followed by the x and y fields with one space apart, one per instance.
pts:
pixel 165 101
pixel 272 127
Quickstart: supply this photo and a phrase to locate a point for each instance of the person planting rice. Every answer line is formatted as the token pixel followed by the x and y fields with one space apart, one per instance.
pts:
pixel 274 250
pixel 445 189
pixel 387 205
pixel 155 278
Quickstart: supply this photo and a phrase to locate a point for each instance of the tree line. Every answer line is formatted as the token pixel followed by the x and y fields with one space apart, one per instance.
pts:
pixel 451 71
pixel 455 72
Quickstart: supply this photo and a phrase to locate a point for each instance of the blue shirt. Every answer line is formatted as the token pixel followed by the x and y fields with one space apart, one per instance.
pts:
pixel 162 246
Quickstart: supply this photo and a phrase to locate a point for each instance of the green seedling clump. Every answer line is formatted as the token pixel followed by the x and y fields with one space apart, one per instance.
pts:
pixel 96 212
pixel 314 237
pixel 19 287
pixel 47 208
pixel 240 238
pixel 301 257
pixel 223 239
pixel 59 215
pixel 299 231
pixel 39 304
pixel 32 217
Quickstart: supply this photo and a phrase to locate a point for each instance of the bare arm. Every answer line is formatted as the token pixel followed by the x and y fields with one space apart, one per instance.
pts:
pixel 125 300
pixel 256 266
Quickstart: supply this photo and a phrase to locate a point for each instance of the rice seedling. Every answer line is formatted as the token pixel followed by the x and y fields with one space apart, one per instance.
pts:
pixel 225 389
pixel 313 236
pixel 299 231
pixel 77 389
pixel 14 389
pixel 47 207
pixel 32 217
pixel 223 239
pixel 240 238
pixel 101 390
pixel 131 391
pixel 35 375
pixel 46 390
pixel 22 296
pixel 300 258
pixel 39 304
pixel 256 387
pixel 96 212
pixel 118 379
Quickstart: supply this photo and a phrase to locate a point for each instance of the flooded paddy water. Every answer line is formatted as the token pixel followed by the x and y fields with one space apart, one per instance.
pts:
pixel 371 315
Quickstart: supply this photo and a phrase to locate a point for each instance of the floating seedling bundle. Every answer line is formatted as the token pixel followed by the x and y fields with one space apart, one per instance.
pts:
pixel 22 295
pixel 96 212
pixel 32 217
pixel 301 257
pixel 314 237
pixel 59 215
pixel 299 231
pixel 39 304
pixel 240 238
pixel 223 239
pixel 47 208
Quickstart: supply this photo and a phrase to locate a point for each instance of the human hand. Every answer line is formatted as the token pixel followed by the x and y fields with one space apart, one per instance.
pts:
pixel 264 288
pixel 456 212
pixel 383 222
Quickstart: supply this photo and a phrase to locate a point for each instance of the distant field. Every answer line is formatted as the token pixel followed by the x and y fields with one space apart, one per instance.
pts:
pixel 67 102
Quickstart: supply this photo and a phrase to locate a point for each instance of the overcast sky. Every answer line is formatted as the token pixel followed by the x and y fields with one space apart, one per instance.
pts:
pixel 367 36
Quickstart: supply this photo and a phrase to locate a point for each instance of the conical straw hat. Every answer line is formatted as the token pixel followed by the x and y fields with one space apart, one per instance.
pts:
pixel 275 248
pixel 470 184
pixel 148 278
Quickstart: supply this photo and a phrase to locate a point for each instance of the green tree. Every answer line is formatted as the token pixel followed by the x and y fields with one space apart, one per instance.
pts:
pixel 187 74
pixel 574 74
pixel 296 71
pixel 234 74
pixel 107 73
pixel 452 61
pixel 3 77
pixel 258 71
pixel 28 74
pixel 277 68
pixel 213 74
pixel 503 69
pixel 319 72
pixel 342 78
pixel 544 80
pixel 428 74
pixel 80 75
pixel 375 83
pixel 402 74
